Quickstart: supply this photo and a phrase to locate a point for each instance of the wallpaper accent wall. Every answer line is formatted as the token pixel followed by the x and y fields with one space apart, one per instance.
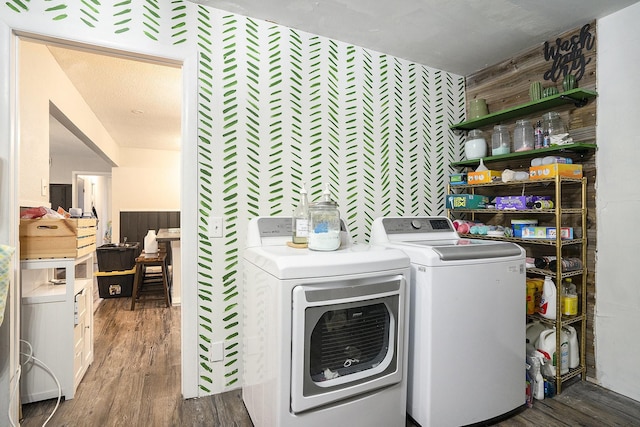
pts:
pixel 278 108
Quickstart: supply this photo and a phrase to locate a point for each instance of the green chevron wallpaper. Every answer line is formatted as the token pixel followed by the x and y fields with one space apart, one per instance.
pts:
pixel 278 107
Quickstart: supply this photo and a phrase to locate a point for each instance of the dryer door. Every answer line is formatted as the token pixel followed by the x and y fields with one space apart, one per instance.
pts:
pixel 345 339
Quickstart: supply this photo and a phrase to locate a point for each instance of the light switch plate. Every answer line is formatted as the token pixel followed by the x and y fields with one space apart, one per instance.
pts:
pixel 217 351
pixel 216 227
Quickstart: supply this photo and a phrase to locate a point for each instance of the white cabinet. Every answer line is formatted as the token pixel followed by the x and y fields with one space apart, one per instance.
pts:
pixel 57 320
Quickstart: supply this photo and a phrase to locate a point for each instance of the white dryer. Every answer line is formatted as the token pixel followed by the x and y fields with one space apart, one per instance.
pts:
pixel 325 333
pixel 467 325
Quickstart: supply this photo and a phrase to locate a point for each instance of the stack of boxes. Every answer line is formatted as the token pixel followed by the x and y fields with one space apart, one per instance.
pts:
pixel 117 268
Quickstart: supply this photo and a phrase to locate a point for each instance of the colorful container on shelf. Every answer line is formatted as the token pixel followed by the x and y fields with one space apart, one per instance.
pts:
pixel 457 178
pixel 517 203
pixel 546 232
pixel 518 224
pixel 555 169
pixel 466 201
pixel 483 177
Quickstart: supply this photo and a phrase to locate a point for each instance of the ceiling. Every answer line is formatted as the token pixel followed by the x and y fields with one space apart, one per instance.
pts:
pixel 459 36
pixel 139 102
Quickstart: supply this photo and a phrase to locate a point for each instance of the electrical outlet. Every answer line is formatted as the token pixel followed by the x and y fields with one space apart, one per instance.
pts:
pixel 216 227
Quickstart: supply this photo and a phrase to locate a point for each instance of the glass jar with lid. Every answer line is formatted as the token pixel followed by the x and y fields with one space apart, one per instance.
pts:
pixel 553 129
pixel 523 138
pixel 476 145
pixel 324 224
pixel 500 140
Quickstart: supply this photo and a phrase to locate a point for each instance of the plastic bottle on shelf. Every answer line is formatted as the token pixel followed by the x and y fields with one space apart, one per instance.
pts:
pixel 547 346
pixel 300 220
pixel 548 299
pixel 574 349
pixel 150 242
pixel 533 330
pixel 538 135
pixel 544 261
pixel 535 361
pixel 569 298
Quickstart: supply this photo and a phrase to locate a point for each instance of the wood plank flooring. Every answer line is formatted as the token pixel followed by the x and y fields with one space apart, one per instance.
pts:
pixel 135 381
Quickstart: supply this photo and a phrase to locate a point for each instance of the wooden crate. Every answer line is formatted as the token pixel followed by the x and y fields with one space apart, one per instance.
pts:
pixel 57 238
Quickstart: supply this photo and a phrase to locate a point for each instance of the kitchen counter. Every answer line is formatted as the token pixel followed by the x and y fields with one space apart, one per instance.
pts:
pixel 168 235
pixel 172 236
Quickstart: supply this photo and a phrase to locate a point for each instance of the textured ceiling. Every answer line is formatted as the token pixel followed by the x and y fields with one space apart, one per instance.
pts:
pixel 459 36
pixel 138 103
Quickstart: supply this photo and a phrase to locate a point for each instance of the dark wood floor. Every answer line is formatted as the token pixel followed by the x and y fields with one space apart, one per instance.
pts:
pixel 135 381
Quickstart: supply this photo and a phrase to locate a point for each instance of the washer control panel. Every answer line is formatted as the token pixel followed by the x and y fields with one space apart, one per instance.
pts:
pixel 417 225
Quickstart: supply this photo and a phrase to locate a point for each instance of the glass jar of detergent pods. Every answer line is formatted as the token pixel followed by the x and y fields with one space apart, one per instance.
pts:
pixel 324 224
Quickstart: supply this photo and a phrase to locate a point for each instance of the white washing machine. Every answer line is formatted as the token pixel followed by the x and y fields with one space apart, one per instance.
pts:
pixel 467 325
pixel 325 333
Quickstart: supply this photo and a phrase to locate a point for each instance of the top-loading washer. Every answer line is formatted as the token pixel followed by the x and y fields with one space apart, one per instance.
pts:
pixel 467 324
pixel 325 333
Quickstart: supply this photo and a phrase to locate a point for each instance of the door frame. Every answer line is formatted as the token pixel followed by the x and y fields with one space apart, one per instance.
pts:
pixel 9 114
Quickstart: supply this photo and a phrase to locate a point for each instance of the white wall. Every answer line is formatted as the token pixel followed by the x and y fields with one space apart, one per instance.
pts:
pixel 63 166
pixel 617 317
pixel 146 180
pixel 42 81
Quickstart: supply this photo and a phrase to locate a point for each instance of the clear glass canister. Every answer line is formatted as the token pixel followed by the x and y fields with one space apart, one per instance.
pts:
pixel 324 224
pixel 500 140
pixel 476 146
pixel 523 138
pixel 553 128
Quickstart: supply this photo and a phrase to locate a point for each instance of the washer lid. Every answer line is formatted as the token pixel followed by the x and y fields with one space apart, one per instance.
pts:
pixel 284 262
pixel 477 251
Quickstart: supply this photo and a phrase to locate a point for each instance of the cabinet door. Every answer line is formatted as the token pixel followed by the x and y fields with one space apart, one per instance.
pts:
pixel 88 327
pixel 78 356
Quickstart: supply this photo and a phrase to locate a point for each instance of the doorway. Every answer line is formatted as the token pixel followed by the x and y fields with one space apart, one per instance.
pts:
pixel 104 154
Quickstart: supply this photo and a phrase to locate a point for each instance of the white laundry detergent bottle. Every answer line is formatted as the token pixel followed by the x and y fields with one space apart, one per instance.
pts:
pixel 548 301
pixel 150 242
pixel 533 331
pixel 547 346
pixel 574 349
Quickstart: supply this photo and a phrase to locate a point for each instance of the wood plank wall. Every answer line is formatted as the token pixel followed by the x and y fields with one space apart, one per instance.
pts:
pixel 506 84
pixel 134 225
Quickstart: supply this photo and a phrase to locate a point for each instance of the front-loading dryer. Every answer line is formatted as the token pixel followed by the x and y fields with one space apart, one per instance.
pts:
pixel 325 333
pixel 467 325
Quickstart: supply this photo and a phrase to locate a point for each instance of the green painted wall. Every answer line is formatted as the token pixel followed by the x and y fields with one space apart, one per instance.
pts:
pixel 278 107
